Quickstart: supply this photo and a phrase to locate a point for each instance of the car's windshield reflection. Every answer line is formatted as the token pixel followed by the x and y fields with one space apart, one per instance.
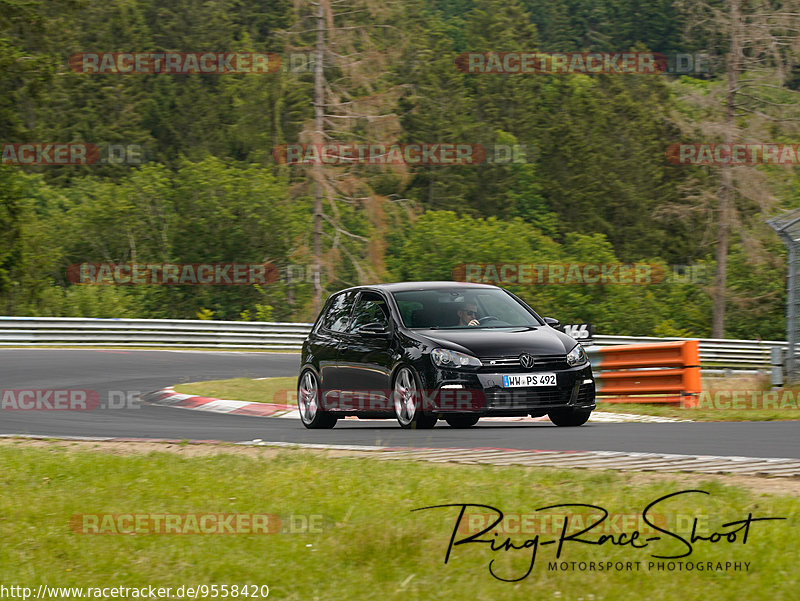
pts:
pixel 462 308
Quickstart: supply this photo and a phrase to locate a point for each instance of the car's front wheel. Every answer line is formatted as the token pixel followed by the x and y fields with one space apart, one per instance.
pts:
pixel 462 420
pixel 408 402
pixel 569 417
pixel 308 402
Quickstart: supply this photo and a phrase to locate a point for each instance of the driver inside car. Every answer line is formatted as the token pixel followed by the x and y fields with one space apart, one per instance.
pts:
pixel 468 315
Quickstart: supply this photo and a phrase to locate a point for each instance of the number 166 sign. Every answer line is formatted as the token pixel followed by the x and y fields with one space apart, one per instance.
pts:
pixel 582 332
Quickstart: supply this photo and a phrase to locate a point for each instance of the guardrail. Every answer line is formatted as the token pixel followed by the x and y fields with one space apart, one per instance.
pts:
pixel 670 370
pixel 194 333
pixel 80 331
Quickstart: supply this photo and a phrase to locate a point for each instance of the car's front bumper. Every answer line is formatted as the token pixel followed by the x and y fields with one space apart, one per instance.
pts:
pixel 484 394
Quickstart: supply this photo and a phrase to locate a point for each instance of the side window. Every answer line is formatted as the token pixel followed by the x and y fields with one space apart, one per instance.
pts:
pixel 338 312
pixel 371 308
pixel 407 309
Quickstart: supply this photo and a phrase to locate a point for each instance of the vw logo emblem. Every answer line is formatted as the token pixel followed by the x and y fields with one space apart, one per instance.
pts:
pixel 526 360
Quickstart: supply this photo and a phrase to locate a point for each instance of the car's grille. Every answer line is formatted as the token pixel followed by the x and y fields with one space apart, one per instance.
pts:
pixel 511 364
pixel 585 394
pixel 520 398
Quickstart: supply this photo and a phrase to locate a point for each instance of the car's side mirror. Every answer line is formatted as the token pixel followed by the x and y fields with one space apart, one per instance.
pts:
pixel 373 329
pixel 552 322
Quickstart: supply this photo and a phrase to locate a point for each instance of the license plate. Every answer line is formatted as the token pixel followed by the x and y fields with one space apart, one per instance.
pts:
pixel 529 380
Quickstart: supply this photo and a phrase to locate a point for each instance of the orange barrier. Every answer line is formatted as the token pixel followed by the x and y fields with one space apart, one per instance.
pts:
pixel 666 372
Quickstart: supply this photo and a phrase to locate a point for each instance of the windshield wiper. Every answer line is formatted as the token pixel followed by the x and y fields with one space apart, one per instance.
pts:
pixel 529 327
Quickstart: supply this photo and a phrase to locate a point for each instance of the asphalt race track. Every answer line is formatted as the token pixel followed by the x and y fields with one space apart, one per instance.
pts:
pixel 144 371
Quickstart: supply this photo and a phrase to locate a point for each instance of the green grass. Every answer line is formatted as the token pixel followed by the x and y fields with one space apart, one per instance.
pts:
pixel 270 390
pixel 733 398
pixel 702 414
pixel 373 546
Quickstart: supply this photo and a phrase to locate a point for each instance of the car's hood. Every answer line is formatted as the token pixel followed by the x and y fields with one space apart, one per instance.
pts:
pixel 490 342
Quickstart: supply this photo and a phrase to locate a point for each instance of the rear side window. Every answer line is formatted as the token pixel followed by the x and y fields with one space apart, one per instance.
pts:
pixel 338 312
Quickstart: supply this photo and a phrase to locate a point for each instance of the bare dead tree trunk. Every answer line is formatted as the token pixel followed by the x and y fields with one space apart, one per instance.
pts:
pixel 346 106
pixel 720 281
pixel 317 140
pixel 727 188
pixel 763 47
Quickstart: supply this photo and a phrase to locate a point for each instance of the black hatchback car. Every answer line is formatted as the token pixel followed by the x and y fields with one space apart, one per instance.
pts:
pixel 421 351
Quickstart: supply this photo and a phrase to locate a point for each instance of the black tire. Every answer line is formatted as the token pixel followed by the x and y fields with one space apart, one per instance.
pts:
pixel 407 402
pixel 569 418
pixel 308 402
pixel 462 420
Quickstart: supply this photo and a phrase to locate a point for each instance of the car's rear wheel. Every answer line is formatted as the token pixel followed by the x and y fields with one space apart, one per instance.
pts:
pixel 462 420
pixel 569 417
pixel 408 401
pixel 312 414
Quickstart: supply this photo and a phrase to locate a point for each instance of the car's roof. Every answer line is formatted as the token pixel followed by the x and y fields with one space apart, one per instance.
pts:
pixel 409 286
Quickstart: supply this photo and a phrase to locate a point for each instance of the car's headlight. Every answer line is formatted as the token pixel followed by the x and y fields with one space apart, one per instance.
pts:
pixel 576 356
pixel 446 358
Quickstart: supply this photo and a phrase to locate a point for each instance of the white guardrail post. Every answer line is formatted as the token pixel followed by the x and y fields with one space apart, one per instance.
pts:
pixel 776 360
pixel 715 354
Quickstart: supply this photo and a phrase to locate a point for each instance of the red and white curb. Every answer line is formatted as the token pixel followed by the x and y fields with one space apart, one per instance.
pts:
pixel 170 398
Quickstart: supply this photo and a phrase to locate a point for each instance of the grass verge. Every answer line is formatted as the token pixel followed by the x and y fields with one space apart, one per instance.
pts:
pixel 368 543
pixel 732 398
pixel 703 414
pixel 269 390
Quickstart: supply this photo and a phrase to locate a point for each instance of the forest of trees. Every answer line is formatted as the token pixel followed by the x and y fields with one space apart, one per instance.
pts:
pixel 595 185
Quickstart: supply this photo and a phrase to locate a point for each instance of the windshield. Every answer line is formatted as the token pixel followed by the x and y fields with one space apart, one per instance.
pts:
pixel 462 308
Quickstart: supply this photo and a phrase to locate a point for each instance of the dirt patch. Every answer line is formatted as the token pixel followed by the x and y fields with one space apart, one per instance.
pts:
pixel 756 484
pixel 190 449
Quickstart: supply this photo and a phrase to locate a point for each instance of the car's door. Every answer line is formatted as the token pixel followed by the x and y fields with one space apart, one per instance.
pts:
pixel 366 355
pixel 328 337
